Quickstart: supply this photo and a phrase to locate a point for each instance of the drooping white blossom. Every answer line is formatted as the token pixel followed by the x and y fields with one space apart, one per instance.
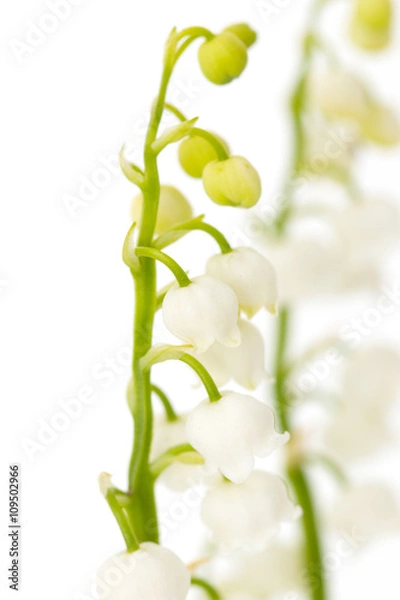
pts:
pixel 152 572
pixel 250 275
pixel 204 312
pixel 367 511
pixel 230 432
pixel 244 364
pixel 249 514
pixel 179 475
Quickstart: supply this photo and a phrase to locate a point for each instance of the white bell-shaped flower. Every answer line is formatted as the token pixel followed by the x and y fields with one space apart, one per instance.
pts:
pixel 372 378
pixel 244 364
pixel 250 275
pixel 150 572
pixel 230 432
pixel 204 312
pixel 166 434
pixel 249 514
pixel 366 512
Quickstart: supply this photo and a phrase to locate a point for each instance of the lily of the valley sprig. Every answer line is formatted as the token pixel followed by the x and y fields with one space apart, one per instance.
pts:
pixel 224 434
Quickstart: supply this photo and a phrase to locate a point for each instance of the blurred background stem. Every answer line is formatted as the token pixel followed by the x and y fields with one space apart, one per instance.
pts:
pixel 295 470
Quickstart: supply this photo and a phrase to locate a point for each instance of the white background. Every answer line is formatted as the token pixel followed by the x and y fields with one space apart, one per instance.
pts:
pixel 65 295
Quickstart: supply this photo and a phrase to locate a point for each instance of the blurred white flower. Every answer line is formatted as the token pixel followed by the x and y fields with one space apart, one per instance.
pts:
pixel 382 126
pixel 340 94
pixel 372 378
pixel 166 434
pixel 249 514
pixel 250 275
pixel 244 364
pixel 204 312
pixel 261 574
pixel 366 230
pixel 150 572
pixel 356 432
pixel 367 511
pixel 329 150
pixel 230 432
pixel 306 268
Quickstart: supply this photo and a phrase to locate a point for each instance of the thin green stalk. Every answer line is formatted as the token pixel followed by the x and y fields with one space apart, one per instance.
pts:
pixel 170 456
pixel 194 225
pixel 162 353
pixel 214 141
pixel 295 472
pixel 169 262
pixel 143 512
pixel 169 409
pixel 212 593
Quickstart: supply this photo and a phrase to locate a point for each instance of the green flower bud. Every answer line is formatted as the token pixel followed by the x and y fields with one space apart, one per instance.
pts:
pixel 243 32
pixel 195 153
pixel 370 26
pixel 232 182
pixel 223 58
pixel 173 209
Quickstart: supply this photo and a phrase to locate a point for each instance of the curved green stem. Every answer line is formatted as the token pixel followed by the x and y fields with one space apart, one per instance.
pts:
pixel 162 353
pixel 175 111
pixel 195 32
pixel 209 137
pixel 213 594
pixel 195 225
pixel 170 456
pixel 169 262
pixel 169 410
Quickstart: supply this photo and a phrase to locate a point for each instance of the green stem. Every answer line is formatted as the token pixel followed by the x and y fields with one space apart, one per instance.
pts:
pixel 123 521
pixel 162 353
pixel 295 472
pixel 169 410
pixel 195 225
pixel 168 457
pixel 175 111
pixel 169 262
pixel 143 510
pixel 209 137
pixel 213 594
